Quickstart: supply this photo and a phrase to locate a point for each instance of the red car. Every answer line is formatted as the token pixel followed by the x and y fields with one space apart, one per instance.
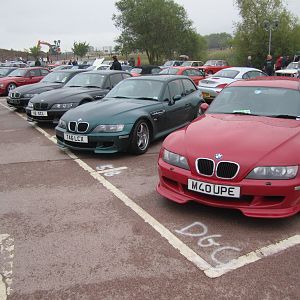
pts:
pixel 20 77
pixel 242 153
pixel 213 66
pixel 194 73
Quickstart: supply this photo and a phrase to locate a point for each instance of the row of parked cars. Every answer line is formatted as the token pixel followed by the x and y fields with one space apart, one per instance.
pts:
pixel 240 152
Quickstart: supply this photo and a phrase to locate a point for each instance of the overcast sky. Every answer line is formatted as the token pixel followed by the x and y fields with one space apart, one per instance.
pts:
pixel 21 26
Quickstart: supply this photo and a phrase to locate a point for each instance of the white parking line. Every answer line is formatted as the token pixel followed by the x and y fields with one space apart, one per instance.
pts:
pixel 187 252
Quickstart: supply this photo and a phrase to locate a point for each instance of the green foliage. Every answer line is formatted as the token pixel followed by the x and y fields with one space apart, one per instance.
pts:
pixel 221 40
pixel 158 27
pixel 80 49
pixel 35 51
pixel 251 37
pixel 228 54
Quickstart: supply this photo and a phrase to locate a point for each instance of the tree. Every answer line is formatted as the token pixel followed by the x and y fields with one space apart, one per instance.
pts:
pixel 251 38
pixel 221 40
pixel 35 51
pixel 157 27
pixel 80 49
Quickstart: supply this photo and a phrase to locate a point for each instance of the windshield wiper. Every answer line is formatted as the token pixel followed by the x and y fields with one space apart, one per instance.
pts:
pixel 284 116
pixel 121 97
pixel 243 113
pixel 146 98
pixel 74 85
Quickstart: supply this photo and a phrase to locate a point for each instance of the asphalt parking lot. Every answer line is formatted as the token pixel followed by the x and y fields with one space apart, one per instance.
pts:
pixel 83 226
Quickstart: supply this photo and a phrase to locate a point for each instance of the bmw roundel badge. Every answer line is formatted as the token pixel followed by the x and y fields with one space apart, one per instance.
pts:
pixel 218 156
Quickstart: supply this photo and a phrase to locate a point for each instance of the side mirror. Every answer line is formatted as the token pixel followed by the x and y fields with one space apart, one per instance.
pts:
pixel 204 107
pixel 177 97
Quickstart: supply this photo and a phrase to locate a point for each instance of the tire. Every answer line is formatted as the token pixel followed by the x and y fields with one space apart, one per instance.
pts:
pixel 10 87
pixel 140 138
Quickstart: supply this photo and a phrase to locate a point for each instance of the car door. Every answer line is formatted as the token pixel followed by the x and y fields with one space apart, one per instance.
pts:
pixel 176 106
pixel 35 76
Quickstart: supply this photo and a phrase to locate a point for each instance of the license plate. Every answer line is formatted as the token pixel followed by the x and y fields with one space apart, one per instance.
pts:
pixel 39 113
pixel 214 189
pixel 205 95
pixel 75 138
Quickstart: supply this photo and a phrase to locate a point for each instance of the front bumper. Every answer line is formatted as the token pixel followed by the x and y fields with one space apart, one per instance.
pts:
pixel 97 142
pixel 17 102
pixel 257 199
pixel 53 116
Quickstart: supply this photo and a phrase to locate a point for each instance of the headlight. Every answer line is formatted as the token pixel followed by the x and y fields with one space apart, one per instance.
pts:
pixel 29 95
pixel 30 104
pixel 64 105
pixel 270 173
pixel 1 85
pixel 109 128
pixel 62 124
pixel 175 159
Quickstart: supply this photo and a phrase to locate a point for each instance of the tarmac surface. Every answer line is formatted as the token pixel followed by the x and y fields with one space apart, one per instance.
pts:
pixel 85 226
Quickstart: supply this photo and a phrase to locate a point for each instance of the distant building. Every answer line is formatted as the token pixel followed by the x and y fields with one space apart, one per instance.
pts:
pixel 107 50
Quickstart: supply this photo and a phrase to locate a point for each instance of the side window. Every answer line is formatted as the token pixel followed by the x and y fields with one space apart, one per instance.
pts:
pixel 44 72
pixel 126 76
pixel 115 79
pixel 188 86
pixel 34 73
pixel 166 95
pixel 246 75
pixel 176 88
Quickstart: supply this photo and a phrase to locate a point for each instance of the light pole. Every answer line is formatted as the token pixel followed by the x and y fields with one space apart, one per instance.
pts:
pixel 269 26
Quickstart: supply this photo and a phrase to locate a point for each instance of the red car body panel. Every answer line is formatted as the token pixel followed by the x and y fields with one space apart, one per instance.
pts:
pixel 250 141
pixel 183 70
pixel 214 67
pixel 19 81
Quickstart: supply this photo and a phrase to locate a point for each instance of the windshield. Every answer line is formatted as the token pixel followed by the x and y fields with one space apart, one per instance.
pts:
pixel 168 63
pixel 292 65
pixel 56 77
pixel 138 89
pixel 90 80
pixel 210 63
pixel 171 71
pixel 18 73
pixel 4 71
pixel 262 101
pixel 227 73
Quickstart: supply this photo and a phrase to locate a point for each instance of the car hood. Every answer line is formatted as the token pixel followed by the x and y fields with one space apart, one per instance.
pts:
pixel 287 71
pixel 110 111
pixel 214 81
pixel 37 88
pixel 248 140
pixel 66 94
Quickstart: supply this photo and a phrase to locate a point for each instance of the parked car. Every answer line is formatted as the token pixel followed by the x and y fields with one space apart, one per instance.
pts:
pixel 195 74
pixel 145 70
pixel 291 70
pixel 135 112
pixel 4 71
pixel 20 96
pixel 246 156
pixel 214 65
pixel 171 63
pixel 21 77
pixel 212 86
pixel 62 67
pixel 192 63
pixel 82 88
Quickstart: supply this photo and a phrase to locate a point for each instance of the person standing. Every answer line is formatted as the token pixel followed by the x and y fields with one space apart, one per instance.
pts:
pixel 269 65
pixel 116 64
pixel 249 62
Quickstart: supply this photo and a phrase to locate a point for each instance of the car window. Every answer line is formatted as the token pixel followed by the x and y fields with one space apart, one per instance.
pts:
pixel 188 86
pixel 35 73
pixel 44 72
pixel 166 96
pixel 252 74
pixel 115 79
pixel 155 70
pixel 126 76
pixel 176 88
